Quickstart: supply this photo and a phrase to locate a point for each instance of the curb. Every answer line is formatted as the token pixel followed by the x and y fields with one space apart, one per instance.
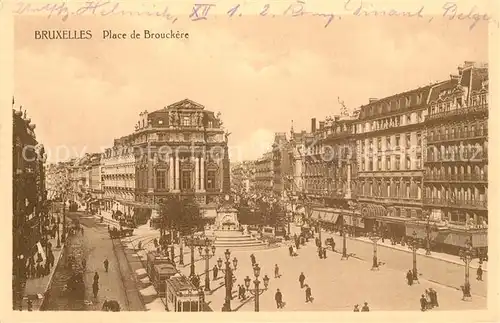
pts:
pixel 49 284
pixel 409 251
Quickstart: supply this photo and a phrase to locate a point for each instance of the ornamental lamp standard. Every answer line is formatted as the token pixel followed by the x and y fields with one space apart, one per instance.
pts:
pixel 374 237
pixel 191 267
pixel 207 255
pixel 466 255
pixel 256 291
pixel 228 271
pixel 181 251
pixel 344 247
pixel 413 244
pixel 428 229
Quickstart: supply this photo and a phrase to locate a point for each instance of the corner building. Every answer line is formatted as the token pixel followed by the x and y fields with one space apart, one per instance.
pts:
pixel 180 149
pixel 389 157
pixel 456 177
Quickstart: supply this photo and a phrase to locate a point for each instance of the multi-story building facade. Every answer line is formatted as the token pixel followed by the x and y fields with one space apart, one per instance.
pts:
pixel 264 174
pixel 30 212
pixel 331 171
pixel 242 177
pixel 118 176
pixel 390 168
pixel 181 149
pixel 456 165
pixel 282 164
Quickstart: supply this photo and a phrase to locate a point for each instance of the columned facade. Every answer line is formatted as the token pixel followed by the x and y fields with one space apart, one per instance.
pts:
pixel 179 150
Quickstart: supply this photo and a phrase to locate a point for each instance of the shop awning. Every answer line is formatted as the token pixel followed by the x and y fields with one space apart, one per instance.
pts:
pixel 373 211
pixel 325 215
pixel 480 239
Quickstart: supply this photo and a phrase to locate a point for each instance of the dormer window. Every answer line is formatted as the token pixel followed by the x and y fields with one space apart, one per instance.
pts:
pixel 408 101
pixel 210 124
pixel 419 98
pixel 160 122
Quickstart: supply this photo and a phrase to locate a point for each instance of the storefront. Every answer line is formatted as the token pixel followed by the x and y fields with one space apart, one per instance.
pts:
pixel 327 218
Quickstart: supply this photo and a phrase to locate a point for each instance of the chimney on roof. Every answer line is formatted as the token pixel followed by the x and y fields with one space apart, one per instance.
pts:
pixel 321 125
pixel 469 63
pixel 454 77
pixel 336 118
pixel 313 125
pixel 371 100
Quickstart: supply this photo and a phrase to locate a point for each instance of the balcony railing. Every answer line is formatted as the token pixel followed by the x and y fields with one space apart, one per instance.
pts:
pixel 458 157
pixel 457 177
pixel 458 135
pixel 455 202
pixel 458 112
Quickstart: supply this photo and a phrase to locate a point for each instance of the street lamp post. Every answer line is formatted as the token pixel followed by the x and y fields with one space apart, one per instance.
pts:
pixel 58 232
pixel 191 267
pixel 428 236
pixel 63 238
pixel 207 255
pixel 413 245
pixel 181 252
pixel 344 247
pixel 374 237
pixel 467 254
pixel 256 291
pixel 228 271
pixel 319 230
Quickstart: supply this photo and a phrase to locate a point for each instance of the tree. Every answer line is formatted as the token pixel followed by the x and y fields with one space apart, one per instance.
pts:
pixel 182 215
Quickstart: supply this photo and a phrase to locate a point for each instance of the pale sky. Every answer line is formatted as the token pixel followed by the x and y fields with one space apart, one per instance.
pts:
pixel 260 73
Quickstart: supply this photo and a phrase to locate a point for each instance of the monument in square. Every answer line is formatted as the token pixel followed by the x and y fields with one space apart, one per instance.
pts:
pixel 226 232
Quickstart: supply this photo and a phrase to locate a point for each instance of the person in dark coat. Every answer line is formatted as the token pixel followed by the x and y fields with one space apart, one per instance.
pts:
pixel 423 303
pixel 409 278
pixel 320 253
pixel 308 294
pixel 30 305
pixel 215 272
pixel 365 308
pixel 95 289
pixel 278 297
pixel 302 278
pixel 433 295
pixel 252 258
pixel 324 253
pixel 96 277
pixel 276 271
pixel 479 273
pixel 290 250
pixel 356 308
pixel 106 264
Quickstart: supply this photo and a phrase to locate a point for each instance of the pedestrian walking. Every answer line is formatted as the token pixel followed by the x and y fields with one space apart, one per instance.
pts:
pixel 356 308
pixel 96 277
pixel 302 278
pixel 239 291
pixel 324 253
pixel 84 263
pixel 479 273
pixel 215 272
pixel 423 303
pixel 333 245
pixel 278 297
pixel 365 308
pixel 290 250
pixel 106 264
pixel 82 231
pixel 95 289
pixel 433 295
pixel 252 258
pixel 309 297
pixel 30 305
pixel 276 271
pixel 320 253
pixel 409 278
pixel 428 299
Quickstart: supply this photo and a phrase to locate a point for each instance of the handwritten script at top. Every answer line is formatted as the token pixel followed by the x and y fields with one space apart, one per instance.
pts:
pixel 204 11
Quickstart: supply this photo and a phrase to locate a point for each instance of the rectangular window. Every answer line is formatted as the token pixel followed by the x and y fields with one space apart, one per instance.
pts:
pixel 370 165
pixel 211 179
pixel 419 139
pixel 398 143
pixel 408 119
pixel 363 165
pixel 408 162
pixel 420 116
pixel 186 121
pixel 418 163
pixel 186 179
pixel 408 140
pixel 388 143
pixel 379 163
pixel 398 162
pixel 379 144
pixel 388 163
pixel 160 179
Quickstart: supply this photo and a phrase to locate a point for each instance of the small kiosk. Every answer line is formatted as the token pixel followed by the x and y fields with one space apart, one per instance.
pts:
pixel 182 295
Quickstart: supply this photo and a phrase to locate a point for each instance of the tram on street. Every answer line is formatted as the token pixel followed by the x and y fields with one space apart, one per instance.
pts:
pixel 159 268
pixel 182 295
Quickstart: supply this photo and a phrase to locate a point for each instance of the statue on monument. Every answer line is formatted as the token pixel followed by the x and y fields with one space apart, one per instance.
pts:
pixel 226 135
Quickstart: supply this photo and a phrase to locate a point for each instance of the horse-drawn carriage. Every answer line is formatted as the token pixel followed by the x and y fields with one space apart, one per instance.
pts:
pixel 120 233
